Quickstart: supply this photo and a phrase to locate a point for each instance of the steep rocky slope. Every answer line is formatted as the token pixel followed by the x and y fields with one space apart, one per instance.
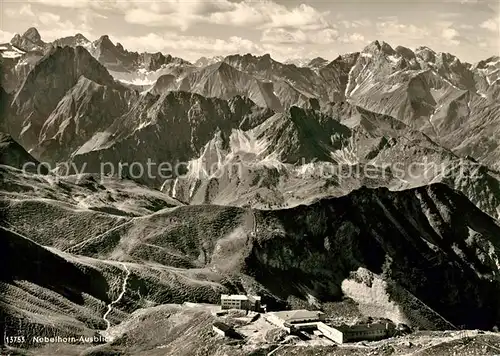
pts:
pixel 438 247
pixel 302 79
pixel 336 74
pixel 223 81
pixel 16 64
pixel 124 239
pixel 73 304
pixel 432 92
pixel 59 70
pixel 486 74
pixel 301 155
pixel 30 41
pixel 470 127
pixel 77 116
pixel 117 59
pixel 14 155
pixel 72 41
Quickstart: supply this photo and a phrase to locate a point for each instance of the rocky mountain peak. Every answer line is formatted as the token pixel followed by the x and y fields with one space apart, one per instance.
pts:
pixel 425 53
pixel 317 62
pixel 223 66
pixel 71 41
pixel 405 52
pixel 249 59
pixel 16 38
pixel 80 36
pixel 266 57
pixel 492 62
pixel 81 39
pixel 29 41
pixel 445 57
pixel 118 59
pixel 348 59
pixel 387 49
pixel 105 43
pixel 13 154
pixel 379 46
pixel 48 82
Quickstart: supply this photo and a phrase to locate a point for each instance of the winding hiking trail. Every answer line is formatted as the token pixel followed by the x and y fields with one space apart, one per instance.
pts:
pixel 120 296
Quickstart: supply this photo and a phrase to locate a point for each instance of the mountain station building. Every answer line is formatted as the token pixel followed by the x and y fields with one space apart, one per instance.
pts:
pixel 239 301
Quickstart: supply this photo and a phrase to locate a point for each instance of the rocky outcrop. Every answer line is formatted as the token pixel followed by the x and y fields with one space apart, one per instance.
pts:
pixel 78 116
pixel 302 80
pixel 116 58
pixel 428 253
pixel 221 80
pixel 336 74
pixel 46 84
pixel 14 155
pixel 317 62
pixel 72 41
pixel 430 241
pixel 15 70
pixel 30 41
pixel 204 61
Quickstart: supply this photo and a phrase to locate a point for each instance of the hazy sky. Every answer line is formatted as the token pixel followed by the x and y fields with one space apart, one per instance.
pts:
pixel 285 29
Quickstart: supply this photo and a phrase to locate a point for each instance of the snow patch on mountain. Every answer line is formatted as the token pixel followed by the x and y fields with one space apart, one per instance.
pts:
pixel 204 61
pixel 299 62
pixel 244 149
pixel 347 155
pixel 394 59
pixel 247 142
pixel 139 77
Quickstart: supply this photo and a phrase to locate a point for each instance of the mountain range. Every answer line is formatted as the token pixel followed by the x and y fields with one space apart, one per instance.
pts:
pixel 372 178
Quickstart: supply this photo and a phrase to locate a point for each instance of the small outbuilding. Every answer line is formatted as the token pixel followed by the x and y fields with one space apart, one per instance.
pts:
pixel 221 328
pixel 373 331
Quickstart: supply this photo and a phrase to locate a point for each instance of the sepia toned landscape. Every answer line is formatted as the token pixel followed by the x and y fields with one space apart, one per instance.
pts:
pixel 250 178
